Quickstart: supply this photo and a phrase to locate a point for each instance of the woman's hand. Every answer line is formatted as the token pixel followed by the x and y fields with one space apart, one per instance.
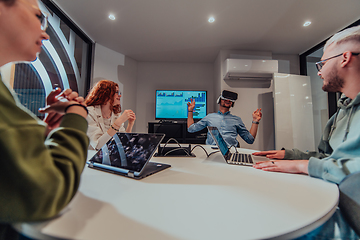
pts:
pixel 56 103
pixel 132 119
pixel 52 118
pixel 131 123
pixel 126 115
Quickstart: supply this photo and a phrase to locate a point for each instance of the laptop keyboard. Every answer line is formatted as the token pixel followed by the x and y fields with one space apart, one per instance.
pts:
pixel 241 158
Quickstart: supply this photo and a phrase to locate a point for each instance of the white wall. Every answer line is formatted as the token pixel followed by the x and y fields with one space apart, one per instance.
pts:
pixel 177 76
pixel 127 75
pixel 114 66
pixel 139 81
pixel 294 62
pixel 106 62
pixel 293 112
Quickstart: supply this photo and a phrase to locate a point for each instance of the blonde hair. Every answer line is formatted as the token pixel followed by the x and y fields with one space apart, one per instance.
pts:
pixel 347 35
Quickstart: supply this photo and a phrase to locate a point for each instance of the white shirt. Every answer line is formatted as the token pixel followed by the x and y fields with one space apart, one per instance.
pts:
pixel 97 130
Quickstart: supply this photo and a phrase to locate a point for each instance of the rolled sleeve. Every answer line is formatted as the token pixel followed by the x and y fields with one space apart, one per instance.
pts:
pixel 316 167
pixel 243 132
pixel 248 138
pixel 195 127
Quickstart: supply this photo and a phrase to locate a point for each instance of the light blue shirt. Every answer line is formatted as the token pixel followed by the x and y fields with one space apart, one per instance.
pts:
pixel 229 126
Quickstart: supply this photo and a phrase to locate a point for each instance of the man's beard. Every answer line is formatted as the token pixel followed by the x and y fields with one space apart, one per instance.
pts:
pixel 334 82
pixel 224 105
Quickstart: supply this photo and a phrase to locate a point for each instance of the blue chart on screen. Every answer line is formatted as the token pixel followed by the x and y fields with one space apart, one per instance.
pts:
pixel 173 104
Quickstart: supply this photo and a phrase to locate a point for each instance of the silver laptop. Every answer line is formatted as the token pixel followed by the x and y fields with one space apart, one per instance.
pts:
pixel 236 158
pixel 128 154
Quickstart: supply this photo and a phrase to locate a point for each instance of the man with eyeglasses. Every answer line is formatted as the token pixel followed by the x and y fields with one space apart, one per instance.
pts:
pixel 339 148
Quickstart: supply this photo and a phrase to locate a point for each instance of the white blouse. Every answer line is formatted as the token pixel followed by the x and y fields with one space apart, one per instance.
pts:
pixel 97 130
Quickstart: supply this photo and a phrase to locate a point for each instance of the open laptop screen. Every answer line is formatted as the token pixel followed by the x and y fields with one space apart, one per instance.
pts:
pixel 219 139
pixel 128 150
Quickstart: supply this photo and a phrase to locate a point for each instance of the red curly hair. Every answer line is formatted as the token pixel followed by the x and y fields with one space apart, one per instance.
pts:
pixel 101 93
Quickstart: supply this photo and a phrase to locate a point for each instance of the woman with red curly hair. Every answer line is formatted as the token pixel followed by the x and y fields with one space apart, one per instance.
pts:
pixel 104 117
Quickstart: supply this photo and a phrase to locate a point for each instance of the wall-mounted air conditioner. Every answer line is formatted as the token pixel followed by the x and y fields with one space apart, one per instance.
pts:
pixel 249 69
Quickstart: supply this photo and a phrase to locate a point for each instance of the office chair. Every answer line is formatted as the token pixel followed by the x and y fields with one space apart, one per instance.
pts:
pixel 349 201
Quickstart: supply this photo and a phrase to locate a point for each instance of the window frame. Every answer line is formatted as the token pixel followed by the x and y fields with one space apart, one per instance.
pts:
pixel 90 60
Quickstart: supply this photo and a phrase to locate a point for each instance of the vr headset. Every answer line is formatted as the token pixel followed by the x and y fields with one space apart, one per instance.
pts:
pixel 227 95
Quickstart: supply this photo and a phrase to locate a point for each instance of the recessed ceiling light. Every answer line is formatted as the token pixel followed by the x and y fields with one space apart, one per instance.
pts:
pixel 112 17
pixel 211 20
pixel 307 23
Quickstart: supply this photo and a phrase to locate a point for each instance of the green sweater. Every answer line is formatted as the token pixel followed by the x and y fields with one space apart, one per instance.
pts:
pixel 39 174
pixel 339 152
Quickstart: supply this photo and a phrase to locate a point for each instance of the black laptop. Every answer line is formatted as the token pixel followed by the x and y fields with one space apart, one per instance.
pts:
pixel 128 154
pixel 236 158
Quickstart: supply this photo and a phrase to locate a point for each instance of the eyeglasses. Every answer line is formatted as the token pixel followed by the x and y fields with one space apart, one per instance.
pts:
pixel 42 16
pixel 118 93
pixel 321 63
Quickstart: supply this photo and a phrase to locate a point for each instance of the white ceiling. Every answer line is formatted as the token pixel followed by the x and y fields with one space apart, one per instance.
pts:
pixel 178 30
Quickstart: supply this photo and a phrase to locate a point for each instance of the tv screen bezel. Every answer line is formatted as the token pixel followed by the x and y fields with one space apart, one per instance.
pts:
pixel 175 119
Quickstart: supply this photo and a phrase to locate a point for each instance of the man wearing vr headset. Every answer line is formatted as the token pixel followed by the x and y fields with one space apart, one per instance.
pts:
pixel 229 125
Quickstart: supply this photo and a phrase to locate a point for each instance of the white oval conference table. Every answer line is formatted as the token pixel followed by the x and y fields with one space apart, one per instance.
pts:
pixel 197 198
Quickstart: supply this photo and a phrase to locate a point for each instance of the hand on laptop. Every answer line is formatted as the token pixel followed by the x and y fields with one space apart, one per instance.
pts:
pixel 273 154
pixel 286 166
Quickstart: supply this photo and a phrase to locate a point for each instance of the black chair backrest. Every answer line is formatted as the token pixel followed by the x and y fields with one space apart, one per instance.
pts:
pixel 349 202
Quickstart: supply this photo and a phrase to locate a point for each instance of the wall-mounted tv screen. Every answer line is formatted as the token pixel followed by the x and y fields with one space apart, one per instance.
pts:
pixel 172 104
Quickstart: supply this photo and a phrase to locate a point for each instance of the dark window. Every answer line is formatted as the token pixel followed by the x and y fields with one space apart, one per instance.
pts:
pixel 65 62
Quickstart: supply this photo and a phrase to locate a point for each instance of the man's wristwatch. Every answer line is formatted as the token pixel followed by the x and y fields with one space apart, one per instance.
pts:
pixel 255 122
